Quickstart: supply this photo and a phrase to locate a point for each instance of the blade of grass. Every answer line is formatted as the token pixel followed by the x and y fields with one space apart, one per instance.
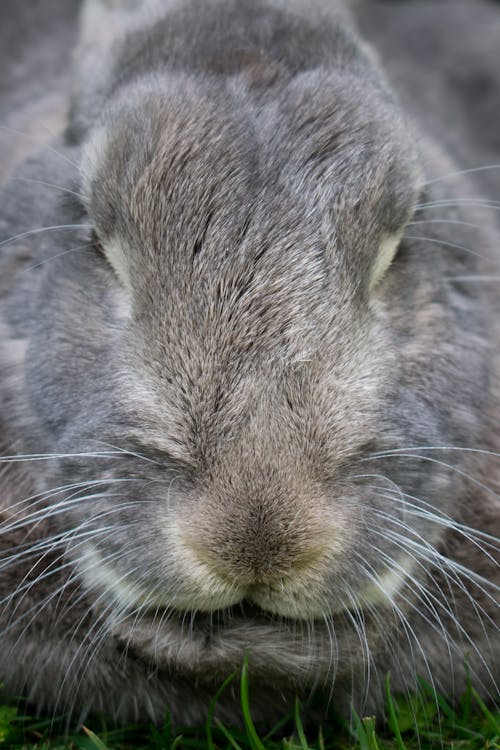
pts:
pixel 360 734
pixel 369 727
pixel 321 739
pixel 444 706
pixel 300 727
pixel 227 734
pixel 211 711
pixel 392 718
pixel 466 697
pixel 164 738
pixel 493 721
pixel 279 724
pixel 252 735
pixel 99 744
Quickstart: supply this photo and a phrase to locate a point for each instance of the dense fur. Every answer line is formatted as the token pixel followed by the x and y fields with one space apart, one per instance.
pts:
pixel 250 394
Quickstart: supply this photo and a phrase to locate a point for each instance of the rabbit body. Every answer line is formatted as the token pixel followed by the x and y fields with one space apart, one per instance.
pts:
pixel 250 380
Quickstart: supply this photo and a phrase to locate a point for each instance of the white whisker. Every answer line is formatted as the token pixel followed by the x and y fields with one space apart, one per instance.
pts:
pixel 437 462
pixel 47 184
pixel 32 232
pixel 47 146
pixel 461 172
pixel 57 255
pixel 445 243
pixel 456 222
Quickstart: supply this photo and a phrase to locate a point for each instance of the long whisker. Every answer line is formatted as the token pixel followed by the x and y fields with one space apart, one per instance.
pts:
pixel 439 463
pixel 21 506
pixel 374 577
pixel 459 448
pixel 126 451
pixel 451 202
pixel 24 588
pixel 29 136
pixel 30 549
pixel 434 556
pixel 445 243
pixel 53 510
pixel 437 562
pixel 45 574
pixel 47 184
pixel 424 598
pixel 487 540
pixel 461 172
pixel 58 255
pixel 57 227
pixel 474 279
pixel 456 222
pixel 98 620
pixel 428 511
pixel 50 456
pixel 402 542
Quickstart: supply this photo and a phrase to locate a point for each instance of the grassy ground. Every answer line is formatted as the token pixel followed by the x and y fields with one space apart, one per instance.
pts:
pixel 426 722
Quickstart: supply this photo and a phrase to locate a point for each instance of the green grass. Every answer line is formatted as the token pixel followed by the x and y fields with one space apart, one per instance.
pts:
pixel 421 722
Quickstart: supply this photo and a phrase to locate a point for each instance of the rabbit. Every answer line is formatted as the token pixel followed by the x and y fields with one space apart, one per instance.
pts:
pixel 249 395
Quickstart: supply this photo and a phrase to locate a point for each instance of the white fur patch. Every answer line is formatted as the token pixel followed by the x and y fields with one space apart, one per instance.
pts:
pixel 385 256
pixel 387 586
pixel 116 256
pixel 93 154
pixel 122 304
pixel 99 575
pixel 198 589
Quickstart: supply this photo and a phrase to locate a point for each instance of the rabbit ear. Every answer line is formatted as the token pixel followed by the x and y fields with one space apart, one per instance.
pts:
pixel 104 25
pixel 102 21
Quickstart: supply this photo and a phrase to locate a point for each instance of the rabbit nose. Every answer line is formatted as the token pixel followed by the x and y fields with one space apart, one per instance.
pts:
pixel 263 556
pixel 265 549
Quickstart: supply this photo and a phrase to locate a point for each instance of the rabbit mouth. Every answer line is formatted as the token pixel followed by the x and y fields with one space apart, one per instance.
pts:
pixel 201 593
pixel 205 598
pixel 244 611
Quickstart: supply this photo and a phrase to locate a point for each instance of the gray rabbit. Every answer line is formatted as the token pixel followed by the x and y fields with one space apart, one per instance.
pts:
pixel 249 355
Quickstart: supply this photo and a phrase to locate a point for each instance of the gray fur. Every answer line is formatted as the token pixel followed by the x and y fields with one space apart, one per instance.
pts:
pixel 239 427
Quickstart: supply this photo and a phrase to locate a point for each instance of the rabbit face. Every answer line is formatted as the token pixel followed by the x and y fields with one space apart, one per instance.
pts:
pixel 242 362
pixel 244 345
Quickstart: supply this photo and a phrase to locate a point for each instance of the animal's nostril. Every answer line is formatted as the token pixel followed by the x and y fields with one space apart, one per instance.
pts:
pixel 263 535
pixel 248 558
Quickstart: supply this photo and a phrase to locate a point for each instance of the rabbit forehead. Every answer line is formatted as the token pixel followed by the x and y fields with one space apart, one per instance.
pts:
pixel 183 170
